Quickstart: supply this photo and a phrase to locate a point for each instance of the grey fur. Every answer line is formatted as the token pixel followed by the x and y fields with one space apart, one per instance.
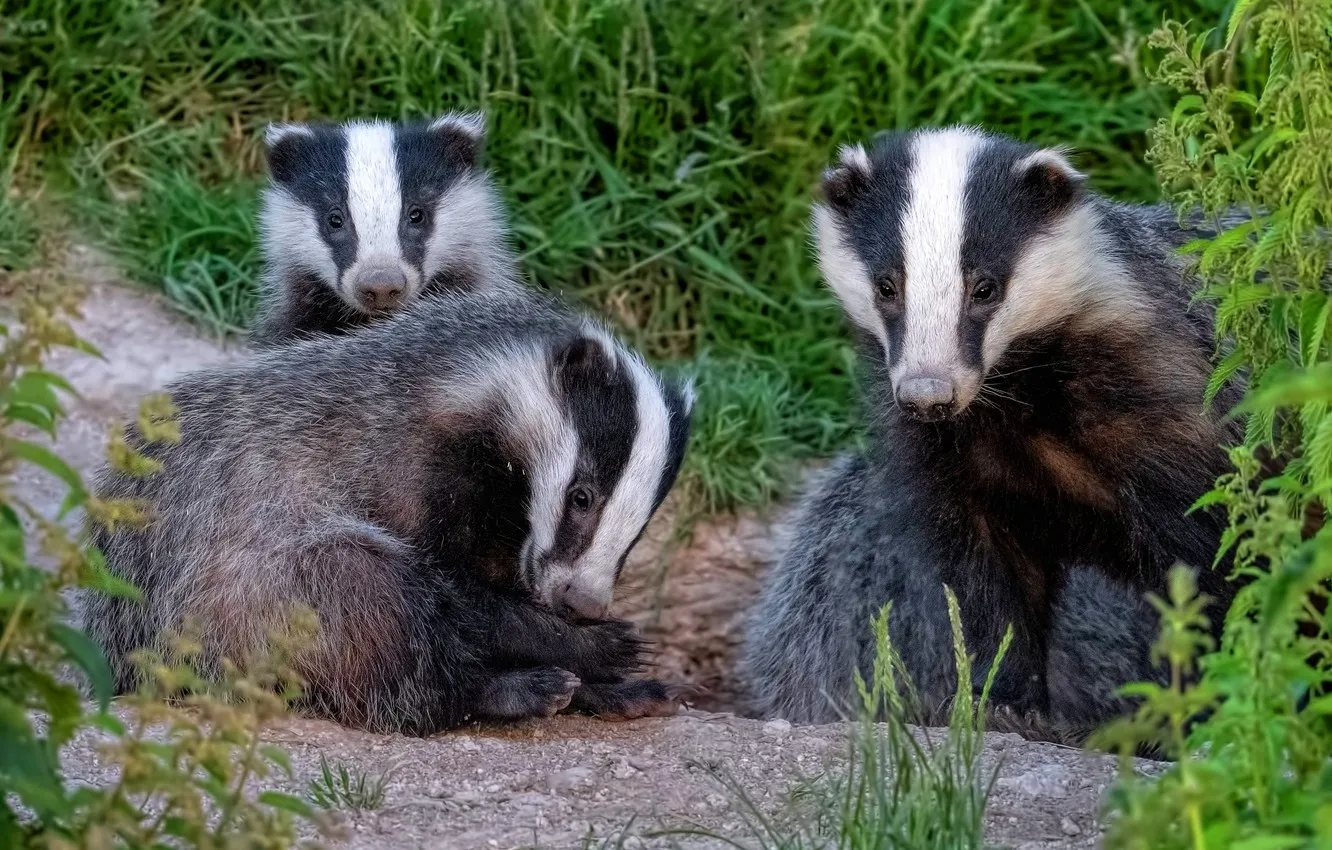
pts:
pixel 1054 503
pixel 378 478
pixel 844 555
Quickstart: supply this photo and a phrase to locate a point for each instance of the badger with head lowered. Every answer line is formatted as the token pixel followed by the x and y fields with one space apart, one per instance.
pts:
pixel 361 219
pixel 453 491
pixel 1036 382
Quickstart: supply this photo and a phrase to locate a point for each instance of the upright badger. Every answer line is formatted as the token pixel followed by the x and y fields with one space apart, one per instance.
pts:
pixel 361 219
pixel 453 491
pixel 1036 382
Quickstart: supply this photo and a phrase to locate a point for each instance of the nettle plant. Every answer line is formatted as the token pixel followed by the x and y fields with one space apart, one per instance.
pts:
pixel 1250 144
pixel 185 757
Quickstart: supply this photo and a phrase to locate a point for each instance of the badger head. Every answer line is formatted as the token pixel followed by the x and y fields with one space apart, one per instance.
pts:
pixel 380 212
pixel 601 438
pixel 946 247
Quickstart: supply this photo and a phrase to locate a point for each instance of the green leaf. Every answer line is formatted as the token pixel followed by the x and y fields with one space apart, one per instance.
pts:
pixel 48 460
pixel 28 765
pixel 1187 103
pixel 286 802
pixel 279 757
pixel 1237 15
pixel 38 417
pixel 1269 842
pixel 89 657
pixel 107 582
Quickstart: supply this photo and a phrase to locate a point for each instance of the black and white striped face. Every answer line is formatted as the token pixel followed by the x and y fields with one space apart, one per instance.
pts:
pixel 948 246
pixel 380 212
pixel 603 439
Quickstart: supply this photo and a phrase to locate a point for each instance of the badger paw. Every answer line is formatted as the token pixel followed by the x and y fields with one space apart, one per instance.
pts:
pixel 534 692
pixel 613 650
pixel 630 700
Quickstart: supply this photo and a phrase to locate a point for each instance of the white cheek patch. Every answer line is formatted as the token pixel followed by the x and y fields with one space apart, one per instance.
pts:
pixel 630 504
pixel 374 201
pixel 846 275
pixel 469 229
pixel 933 228
pixel 1068 273
pixel 289 232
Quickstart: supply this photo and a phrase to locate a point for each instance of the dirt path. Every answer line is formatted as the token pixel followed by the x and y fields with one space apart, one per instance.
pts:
pixel 548 783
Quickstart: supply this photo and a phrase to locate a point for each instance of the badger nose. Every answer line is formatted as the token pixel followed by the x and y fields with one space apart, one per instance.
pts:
pixel 926 398
pixel 381 288
pixel 575 602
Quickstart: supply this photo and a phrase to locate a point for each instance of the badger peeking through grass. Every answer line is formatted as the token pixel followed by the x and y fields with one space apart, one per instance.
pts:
pixel 452 490
pixel 361 219
pixel 1036 377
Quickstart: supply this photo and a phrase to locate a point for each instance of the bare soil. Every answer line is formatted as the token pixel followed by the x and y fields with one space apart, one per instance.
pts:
pixel 549 783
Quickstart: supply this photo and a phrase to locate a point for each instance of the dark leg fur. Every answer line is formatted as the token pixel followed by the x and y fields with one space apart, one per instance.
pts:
pixel 594 650
pixel 627 700
pixel 518 694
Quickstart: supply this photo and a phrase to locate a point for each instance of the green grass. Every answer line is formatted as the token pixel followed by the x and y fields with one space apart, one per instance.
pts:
pixel 346 788
pixel 901 786
pixel 659 157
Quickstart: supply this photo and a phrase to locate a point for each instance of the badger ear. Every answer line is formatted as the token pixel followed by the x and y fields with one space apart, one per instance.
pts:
pixel 587 357
pixel 844 182
pixel 282 145
pixel 463 132
pixel 1049 178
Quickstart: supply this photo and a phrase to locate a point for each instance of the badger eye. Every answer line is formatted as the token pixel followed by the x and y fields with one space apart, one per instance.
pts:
pixel 335 219
pixel 886 287
pixel 580 499
pixel 985 291
pixel 416 215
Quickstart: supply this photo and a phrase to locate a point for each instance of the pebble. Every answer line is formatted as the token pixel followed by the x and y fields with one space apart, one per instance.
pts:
pixel 567 780
pixel 1069 828
pixel 1051 780
pixel 623 770
pixel 777 728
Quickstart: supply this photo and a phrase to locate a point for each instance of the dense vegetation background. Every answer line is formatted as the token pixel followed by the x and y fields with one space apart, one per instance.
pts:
pixel 659 157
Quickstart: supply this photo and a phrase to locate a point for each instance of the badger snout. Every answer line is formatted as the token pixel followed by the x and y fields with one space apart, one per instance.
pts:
pixel 927 398
pixel 380 289
pixel 574 601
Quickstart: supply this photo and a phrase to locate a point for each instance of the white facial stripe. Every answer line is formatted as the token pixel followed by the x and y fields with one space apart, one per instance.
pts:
pixel 630 504
pixel 932 233
pixel 846 275
pixel 519 378
pixel 374 200
pixel 469 229
pixel 289 232
pixel 1068 272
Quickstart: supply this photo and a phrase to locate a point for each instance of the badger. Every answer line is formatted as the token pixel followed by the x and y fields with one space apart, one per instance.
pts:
pixel 1036 369
pixel 363 218
pixel 452 490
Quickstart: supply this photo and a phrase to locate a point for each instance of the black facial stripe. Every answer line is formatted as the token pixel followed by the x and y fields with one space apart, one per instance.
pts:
pixel 679 441
pixel 312 167
pixel 873 226
pixel 600 400
pixel 1003 212
pixel 429 163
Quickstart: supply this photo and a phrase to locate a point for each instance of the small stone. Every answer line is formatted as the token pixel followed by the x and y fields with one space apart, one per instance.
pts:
pixel 467 745
pixel 777 728
pixel 1069 828
pixel 623 770
pixel 492 789
pixel 1051 780
pixel 567 780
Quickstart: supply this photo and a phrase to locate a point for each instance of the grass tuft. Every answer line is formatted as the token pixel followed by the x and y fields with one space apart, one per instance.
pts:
pixel 346 788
